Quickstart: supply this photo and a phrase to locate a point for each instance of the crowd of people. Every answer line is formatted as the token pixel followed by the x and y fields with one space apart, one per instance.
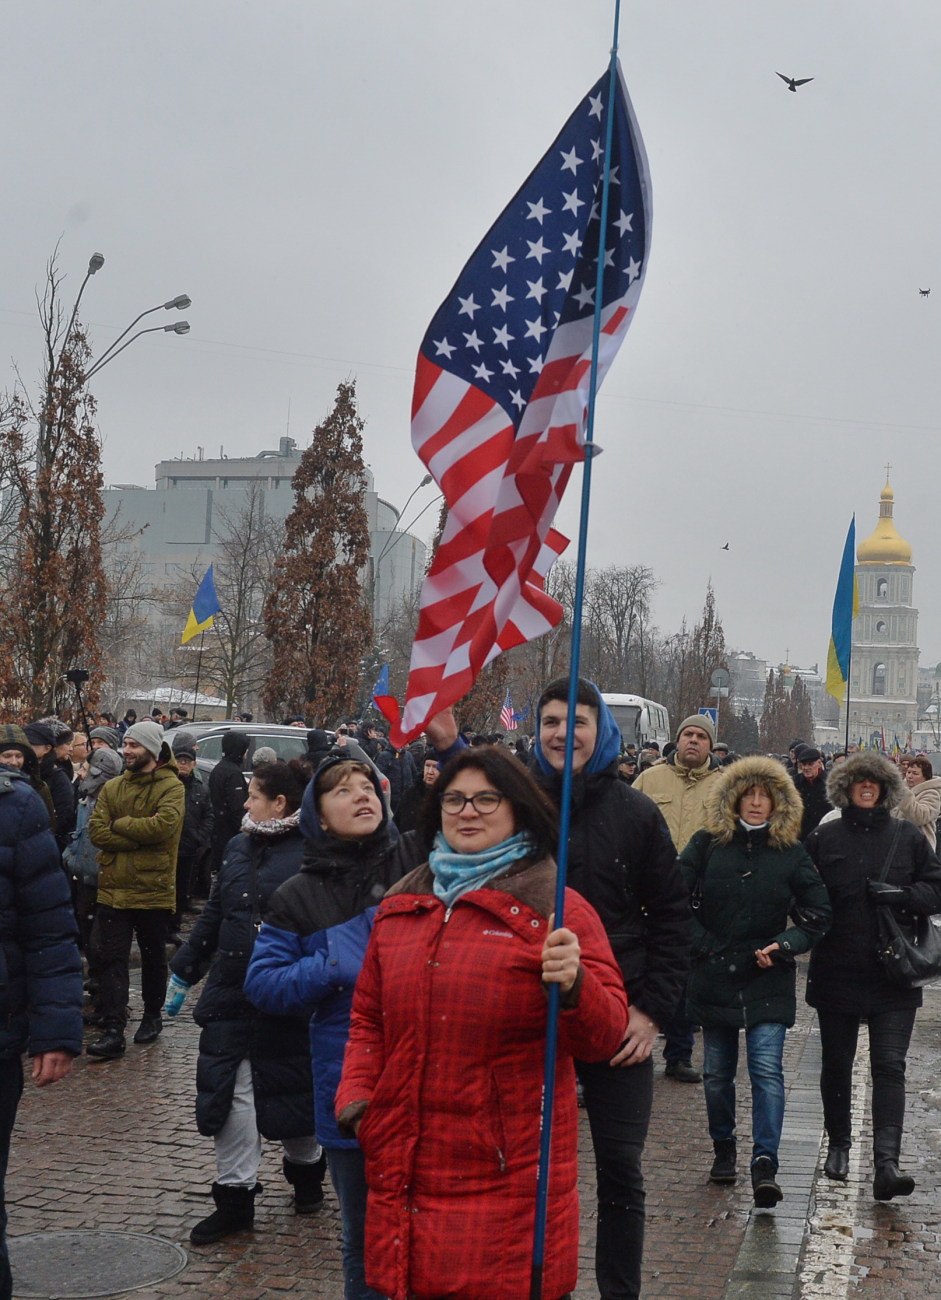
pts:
pixel 372 933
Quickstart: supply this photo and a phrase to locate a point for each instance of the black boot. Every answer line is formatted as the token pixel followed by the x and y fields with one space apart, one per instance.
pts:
pixel 235 1211
pixel 723 1167
pixel 149 1029
pixel 307 1181
pixel 764 1184
pixel 837 1164
pixel 888 1182
pixel 109 1045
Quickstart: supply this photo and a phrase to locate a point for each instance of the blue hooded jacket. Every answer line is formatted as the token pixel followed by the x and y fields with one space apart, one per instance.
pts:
pixel 607 745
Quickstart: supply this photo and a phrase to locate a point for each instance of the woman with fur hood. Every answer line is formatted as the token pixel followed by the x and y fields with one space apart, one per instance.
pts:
pixel 746 870
pixel 846 982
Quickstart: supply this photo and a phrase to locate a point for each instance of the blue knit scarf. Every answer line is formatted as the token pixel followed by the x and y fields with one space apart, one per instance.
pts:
pixel 456 873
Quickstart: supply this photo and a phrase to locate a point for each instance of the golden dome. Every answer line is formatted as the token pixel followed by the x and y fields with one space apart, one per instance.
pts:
pixel 884 546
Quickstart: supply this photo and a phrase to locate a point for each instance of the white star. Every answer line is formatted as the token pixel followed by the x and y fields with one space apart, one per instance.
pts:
pixel 537 250
pixel 468 306
pixel 572 202
pixel 535 330
pixel 535 365
pixel 444 348
pixel 623 222
pixel 509 369
pixel 503 336
pixel 483 373
pixel 571 162
pixel 608 257
pixel 537 289
pixel 613 177
pixel 594 213
pixel 500 298
pixel 585 296
pixel 596 150
pixel 501 259
pixel 565 280
pixel 572 243
pixel 517 398
pixel 555 323
pixel 633 270
pixel 474 342
pixel 596 105
pixel 537 211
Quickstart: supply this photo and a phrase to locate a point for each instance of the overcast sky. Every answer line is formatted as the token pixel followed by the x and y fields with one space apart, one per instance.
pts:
pixel 315 174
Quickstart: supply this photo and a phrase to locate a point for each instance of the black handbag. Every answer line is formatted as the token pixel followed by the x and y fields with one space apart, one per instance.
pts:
pixel 909 949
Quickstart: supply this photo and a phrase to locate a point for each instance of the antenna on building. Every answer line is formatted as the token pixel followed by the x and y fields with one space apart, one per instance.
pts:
pixel 287 427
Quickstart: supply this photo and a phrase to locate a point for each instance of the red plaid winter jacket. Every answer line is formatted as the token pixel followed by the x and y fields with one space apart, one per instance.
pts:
pixel 446 1047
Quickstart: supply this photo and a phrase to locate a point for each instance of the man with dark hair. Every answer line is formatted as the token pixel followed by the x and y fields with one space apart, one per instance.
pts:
pixel 811 783
pixel 135 826
pixel 621 858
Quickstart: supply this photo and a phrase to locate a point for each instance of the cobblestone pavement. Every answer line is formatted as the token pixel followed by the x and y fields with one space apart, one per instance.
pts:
pixel 115 1147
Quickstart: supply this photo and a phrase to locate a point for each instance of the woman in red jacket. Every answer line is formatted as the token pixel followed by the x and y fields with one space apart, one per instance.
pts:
pixel 442 1080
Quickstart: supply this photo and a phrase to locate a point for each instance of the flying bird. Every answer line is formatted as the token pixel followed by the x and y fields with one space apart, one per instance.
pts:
pixel 924 292
pixel 794 82
pixel 725 547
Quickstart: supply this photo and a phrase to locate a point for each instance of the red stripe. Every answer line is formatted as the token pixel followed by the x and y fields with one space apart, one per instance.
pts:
pixel 473 407
pixel 426 376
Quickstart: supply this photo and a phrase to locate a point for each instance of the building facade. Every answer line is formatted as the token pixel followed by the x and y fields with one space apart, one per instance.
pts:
pixel 179 521
pixel 884 671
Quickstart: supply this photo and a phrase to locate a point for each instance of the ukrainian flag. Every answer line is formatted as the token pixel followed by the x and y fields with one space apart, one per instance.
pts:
pixel 845 609
pixel 205 607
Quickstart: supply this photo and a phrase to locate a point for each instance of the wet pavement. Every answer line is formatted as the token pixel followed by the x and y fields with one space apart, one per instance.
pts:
pixel 114 1149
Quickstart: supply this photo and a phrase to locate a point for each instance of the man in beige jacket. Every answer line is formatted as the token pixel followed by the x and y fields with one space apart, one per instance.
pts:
pixel 679 787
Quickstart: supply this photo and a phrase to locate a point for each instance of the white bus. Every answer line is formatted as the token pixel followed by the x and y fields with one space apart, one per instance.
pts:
pixel 638 720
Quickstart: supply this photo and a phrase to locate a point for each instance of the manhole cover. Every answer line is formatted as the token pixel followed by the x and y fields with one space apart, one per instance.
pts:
pixel 81 1265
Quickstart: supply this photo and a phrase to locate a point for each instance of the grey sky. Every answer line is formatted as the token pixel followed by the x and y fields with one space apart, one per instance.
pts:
pixel 314 175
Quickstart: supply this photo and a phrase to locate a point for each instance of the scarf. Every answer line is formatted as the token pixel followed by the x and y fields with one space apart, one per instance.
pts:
pixel 456 873
pixel 273 826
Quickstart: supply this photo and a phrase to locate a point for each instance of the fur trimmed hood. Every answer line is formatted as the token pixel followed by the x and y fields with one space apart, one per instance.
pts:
pixel 736 780
pixel 859 767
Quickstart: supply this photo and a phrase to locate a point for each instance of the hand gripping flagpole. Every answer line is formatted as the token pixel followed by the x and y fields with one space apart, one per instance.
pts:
pixel 552 1026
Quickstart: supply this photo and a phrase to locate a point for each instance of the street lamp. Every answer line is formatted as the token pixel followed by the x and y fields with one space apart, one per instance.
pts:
pixel 396 536
pixel 179 303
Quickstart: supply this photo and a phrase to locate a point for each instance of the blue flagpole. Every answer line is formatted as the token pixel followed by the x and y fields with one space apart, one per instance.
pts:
pixel 552 1026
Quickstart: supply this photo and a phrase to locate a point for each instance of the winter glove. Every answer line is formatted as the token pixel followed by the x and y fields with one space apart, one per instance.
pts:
pixel 880 891
pixel 177 990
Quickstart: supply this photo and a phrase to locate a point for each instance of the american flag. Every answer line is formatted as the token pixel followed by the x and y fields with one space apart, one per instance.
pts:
pixel 507 716
pixel 501 391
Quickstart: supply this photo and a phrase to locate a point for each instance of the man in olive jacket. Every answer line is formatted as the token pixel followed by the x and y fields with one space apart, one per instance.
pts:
pixel 136 827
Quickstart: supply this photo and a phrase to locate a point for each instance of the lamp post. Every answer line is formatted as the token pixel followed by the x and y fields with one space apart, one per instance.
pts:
pixel 179 303
pixel 395 537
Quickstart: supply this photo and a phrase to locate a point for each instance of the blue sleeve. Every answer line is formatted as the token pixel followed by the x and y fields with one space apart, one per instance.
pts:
pixel 290 974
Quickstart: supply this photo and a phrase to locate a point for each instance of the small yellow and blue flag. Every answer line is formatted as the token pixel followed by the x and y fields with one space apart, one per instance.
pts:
pixel 845 609
pixel 205 607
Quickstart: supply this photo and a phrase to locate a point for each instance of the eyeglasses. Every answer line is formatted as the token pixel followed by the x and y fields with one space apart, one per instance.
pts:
pixel 484 802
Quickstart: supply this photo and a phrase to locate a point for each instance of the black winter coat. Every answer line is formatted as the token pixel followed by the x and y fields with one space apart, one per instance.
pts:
pixel 622 859
pixel 63 796
pixel 228 791
pixel 232 1030
pixel 40 967
pixel 742 892
pixel 814 798
pixel 198 819
pixel 845 974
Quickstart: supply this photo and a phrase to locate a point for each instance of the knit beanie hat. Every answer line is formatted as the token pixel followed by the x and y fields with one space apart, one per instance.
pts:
pixel 264 754
pixel 103 764
pixel 14 737
pixel 701 720
pixel 37 733
pixel 149 735
pixel 110 735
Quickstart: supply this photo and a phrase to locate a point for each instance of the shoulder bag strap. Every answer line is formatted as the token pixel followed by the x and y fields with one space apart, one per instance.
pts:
pixel 892 847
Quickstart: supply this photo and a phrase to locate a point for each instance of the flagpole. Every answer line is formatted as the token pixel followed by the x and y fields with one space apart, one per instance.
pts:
pixel 849 670
pixel 199 664
pixel 552 1024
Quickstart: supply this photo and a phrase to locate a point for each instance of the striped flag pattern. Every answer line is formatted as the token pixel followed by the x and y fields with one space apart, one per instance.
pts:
pixel 507 716
pixel 501 391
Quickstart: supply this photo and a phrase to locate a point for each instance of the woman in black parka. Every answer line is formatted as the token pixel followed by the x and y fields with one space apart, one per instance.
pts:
pixel 745 871
pixel 846 983
pixel 253 1076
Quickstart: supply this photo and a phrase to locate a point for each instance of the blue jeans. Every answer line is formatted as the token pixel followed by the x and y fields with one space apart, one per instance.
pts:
pixel 11 1089
pixel 764 1048
pixel 618 1101
pixel 348 1175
